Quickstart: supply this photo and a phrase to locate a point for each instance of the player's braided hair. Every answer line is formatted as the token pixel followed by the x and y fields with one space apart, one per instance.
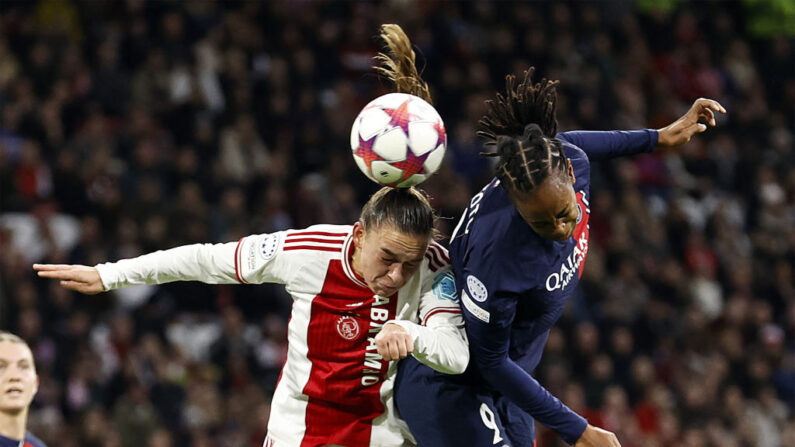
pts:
pixel 406 209
pixel 528 160
pixel 397 63
pixel 521 126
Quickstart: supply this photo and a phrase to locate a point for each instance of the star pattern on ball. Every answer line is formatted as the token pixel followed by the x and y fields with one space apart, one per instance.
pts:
pixel 400 116
pixel 366 152
pixel 413 164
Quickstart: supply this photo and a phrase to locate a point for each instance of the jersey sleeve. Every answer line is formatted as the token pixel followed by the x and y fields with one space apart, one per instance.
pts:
pixel 261 258
pixel 252 260
pixel 33 441
pixel 439 338
pixel 614 143
pixel 489 314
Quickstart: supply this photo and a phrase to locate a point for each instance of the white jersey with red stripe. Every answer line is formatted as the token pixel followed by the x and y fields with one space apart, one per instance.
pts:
pixel 334 388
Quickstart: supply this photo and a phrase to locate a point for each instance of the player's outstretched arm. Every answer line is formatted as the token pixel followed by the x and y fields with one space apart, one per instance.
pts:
pixel 680 131
pixel 80 278
pixel 208 263
pixel 597 437
pixel 600 145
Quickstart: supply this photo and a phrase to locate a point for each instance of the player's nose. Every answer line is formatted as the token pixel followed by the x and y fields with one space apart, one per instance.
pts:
pixel 396 274
pixel 562 231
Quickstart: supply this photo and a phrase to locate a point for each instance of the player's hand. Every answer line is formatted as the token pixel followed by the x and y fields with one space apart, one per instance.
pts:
pixel 597 437
pixel 680 131
pixel 81 278
pixel 394 342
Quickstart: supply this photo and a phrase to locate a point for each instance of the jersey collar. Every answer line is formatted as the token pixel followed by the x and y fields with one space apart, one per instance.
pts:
pixel 347 261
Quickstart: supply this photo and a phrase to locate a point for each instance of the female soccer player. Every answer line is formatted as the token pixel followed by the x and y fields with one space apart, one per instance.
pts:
pixel 18 386
pixel 363 295
pixel 518 253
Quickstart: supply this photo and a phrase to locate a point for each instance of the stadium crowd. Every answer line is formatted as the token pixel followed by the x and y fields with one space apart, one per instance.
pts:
pixel 135 126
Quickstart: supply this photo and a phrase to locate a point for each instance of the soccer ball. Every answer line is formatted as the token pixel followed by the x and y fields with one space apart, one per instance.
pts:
pixel 398 140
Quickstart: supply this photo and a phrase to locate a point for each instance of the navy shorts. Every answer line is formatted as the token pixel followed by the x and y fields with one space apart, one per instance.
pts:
pixel 446 410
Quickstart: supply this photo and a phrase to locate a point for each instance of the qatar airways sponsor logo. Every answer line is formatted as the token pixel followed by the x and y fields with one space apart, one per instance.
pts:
pixel 569 267
pixel 373 362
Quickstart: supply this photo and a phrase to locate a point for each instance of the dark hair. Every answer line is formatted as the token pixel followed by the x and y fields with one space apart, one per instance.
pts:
pixel 522 104
pixel 526 161
pixel 521 126
pixel 406 209
pixel 398 63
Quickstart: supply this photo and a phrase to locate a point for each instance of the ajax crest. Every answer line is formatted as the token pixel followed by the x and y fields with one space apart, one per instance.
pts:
pixel 347 327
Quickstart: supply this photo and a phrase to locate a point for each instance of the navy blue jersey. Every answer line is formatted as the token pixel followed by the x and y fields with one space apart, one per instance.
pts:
pixel 514 284
pixel 30 441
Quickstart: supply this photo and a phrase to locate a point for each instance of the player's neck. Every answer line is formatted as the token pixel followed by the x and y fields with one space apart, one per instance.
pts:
pixel 13 425
pixel 355 262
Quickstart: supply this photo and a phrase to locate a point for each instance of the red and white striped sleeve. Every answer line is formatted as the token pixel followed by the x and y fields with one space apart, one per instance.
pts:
pixel 277 257
pixel 258 258
pixel 443 299
pixel 253 259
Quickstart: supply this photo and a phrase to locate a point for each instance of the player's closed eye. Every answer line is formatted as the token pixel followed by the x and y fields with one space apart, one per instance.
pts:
pixel 569 214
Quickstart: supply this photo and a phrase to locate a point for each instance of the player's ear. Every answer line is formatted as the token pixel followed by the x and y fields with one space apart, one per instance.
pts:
pixel 570 171
pixel 358 234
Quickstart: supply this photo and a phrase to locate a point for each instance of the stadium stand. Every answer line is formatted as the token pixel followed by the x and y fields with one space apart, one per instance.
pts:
pixel 131 126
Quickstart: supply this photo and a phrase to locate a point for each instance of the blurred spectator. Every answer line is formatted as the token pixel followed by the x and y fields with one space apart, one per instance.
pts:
pixel 135 126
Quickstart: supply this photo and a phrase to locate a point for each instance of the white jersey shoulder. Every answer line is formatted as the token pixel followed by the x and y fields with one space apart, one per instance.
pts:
pixel 283 256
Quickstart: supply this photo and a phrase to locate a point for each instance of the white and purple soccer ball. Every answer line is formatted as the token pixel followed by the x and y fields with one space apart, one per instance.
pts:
pixel 398 140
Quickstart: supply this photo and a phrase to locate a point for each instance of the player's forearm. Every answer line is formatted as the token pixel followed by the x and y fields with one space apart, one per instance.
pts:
pixel 613 143
pixel 513 382
pixel 213 264
pixel 443 348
